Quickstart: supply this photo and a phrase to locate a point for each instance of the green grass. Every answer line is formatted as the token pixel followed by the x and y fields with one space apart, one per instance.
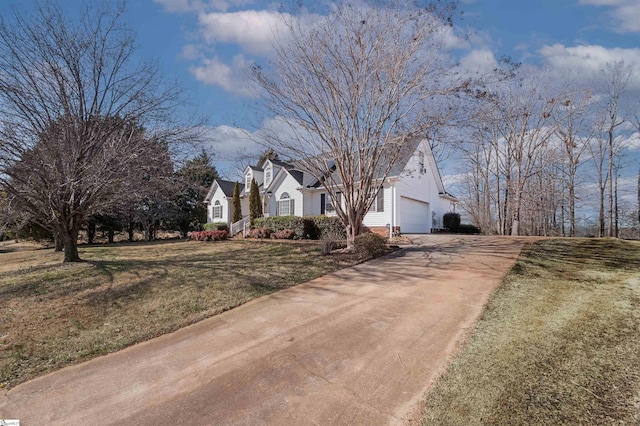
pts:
pixel 558 343
pixel 57 314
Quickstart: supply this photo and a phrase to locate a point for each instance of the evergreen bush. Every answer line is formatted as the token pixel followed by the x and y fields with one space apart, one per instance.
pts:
pixel 216 226
pixel 370 245
pixel 451 221
pixel 302 227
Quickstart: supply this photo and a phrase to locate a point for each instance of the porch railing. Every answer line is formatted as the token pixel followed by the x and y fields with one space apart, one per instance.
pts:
pixel 240 226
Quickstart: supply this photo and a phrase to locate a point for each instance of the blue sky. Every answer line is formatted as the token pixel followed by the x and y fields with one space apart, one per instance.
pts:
pixel 209 44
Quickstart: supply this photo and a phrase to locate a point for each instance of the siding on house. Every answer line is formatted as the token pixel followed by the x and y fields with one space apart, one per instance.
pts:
pixel 224 202
pixel 290 186
pixel 422 187
pixel 380 219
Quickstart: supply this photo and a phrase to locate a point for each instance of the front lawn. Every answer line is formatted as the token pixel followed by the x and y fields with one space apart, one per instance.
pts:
pixel 559 343
pixel 55 314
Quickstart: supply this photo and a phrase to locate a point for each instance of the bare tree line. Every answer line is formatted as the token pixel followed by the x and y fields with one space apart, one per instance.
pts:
pixel 533 147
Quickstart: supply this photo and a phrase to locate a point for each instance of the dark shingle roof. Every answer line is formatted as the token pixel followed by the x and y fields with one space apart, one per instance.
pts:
pixel 227 187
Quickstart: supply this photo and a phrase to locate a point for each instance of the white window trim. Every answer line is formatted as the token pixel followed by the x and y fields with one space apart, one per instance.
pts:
pixel 217 210
pixel 374 205
pixel 284 206
pixel 268 172
pixel 285 200
pixel 328 204
pixel 421 167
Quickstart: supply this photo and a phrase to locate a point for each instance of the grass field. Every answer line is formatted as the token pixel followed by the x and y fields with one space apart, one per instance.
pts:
pixel 55 314
pixel 559 343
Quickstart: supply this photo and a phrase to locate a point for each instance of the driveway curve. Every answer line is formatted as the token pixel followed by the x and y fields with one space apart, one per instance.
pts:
pixel 358 346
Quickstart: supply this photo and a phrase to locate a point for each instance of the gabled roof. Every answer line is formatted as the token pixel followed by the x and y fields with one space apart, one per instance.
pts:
pixel 407 150
pixel 226 186
pixel 279 163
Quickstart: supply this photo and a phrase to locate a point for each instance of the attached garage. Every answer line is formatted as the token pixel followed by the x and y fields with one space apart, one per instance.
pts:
pixel 414 216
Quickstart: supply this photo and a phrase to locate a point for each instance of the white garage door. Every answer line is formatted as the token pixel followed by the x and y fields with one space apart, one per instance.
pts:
pixel 414 216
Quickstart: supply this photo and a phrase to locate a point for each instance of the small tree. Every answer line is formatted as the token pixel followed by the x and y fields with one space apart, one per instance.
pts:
pixel 237 208
pixel 76 113
pixel 255 204
pixel 349 84
pixel 451 221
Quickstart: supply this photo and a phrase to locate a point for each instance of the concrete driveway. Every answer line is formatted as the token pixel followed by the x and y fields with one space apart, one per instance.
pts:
pixel 355 347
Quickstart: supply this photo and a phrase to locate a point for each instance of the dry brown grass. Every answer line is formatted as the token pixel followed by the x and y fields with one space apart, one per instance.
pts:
pixel 57 314
pixel 559 343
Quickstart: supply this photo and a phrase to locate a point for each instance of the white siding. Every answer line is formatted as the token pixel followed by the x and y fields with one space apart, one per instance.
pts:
pixel 421 187
pixel 224 202
pixel 290 186
pixel 383 218
pixel 309 199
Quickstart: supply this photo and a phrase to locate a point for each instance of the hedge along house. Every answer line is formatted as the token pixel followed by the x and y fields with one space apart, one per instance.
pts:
pixel 412 199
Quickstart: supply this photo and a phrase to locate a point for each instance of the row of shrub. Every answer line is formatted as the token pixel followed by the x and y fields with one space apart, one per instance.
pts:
pixel 304 228
pixel 216 235
pixel 282 234
pixel 216 226
pixel 451 222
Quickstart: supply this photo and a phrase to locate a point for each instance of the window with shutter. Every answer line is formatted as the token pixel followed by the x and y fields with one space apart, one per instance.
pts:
pixel 378 203
pixel 284 206
pixel 217 210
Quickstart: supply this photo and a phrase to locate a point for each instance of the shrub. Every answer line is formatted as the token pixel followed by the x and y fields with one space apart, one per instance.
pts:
pixel 309 227
pixel 216 226
pixel 468 229
pixel 328 228
pixel 260 233
pixel 451 221
pixel 330 245
pixel 301 227
pixel 216 235
pixel 370 245
pixel 284 234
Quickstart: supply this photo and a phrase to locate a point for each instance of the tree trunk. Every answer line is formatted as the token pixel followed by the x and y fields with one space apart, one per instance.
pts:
pixel 131 227
pixel 110 235
pixel 91 231
pixel 58 242
pixel 610 184
pixel 71 246
pixel 616 227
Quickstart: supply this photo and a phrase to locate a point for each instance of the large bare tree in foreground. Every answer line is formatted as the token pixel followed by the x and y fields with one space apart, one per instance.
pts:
pixel 77 115
pixel 350 85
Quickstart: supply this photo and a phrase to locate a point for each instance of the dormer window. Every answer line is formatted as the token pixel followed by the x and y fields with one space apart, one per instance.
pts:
pixel 247 182
pixel 267 175
pixel 421 168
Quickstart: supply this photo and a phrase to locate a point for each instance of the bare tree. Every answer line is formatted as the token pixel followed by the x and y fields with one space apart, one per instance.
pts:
pixel 574 127
pixel 349 84
pixel 72 103
pixel 615 79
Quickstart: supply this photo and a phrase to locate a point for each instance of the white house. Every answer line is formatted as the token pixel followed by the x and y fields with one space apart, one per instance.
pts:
pixel 219 201
pixel 412 200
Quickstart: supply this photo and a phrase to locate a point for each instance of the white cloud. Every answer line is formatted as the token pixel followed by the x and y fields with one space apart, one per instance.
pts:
pixel 234 148
pixel 479 61
pixel 625 13
pixel 587 61
pixel 253 30
pixel 183 6
pixel 231 77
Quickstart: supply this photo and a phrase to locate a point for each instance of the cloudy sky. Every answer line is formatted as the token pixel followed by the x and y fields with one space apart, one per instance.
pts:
pixel 210 44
